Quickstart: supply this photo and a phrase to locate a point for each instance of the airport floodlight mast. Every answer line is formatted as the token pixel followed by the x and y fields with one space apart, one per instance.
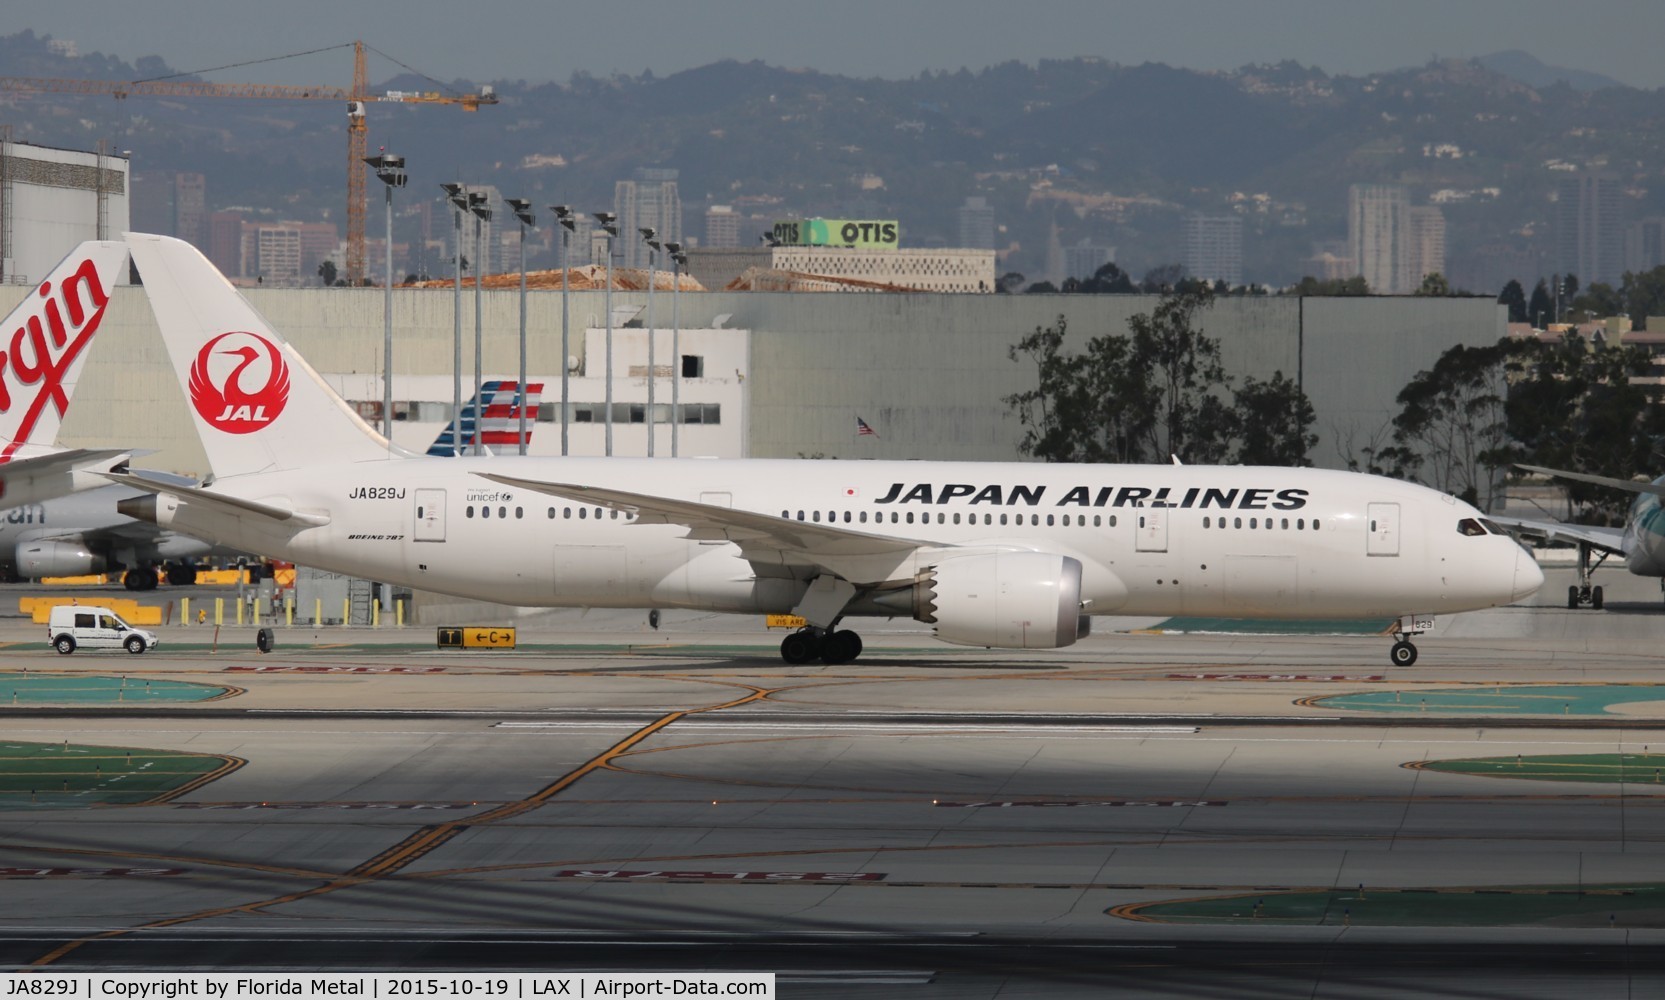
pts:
pixel 648 235
pixel 356 97
pixel 523 214
pixel 480 204
pixel 458 196
pixel 390 170
pixel 679 260
pixel 609 225
pixel 569 223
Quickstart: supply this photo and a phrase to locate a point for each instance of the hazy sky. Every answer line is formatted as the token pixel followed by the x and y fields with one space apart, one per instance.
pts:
pixel 541 40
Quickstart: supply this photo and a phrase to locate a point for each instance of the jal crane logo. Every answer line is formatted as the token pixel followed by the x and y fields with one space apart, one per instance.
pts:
pixel 231 397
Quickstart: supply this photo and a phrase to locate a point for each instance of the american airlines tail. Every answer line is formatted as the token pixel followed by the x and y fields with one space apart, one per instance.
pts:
pixel 257 404
pixel 44 343
pixel 494 415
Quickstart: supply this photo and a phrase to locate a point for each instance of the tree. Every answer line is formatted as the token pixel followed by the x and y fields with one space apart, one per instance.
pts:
pixel 1159 390
pixel 1162 278
pixel 1041 286
pixel 1274 423
pixel 1451 431
pixel 1541 310
pixel 1644 295
pixel 1597 301
pixel 1434 285
pixel 1011 281
pixel 1332 287
pixel 326 270
pixel 1513 296
pixel 1574 407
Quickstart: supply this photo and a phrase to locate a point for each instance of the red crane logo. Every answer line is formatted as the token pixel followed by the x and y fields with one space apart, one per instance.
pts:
pixel 218 391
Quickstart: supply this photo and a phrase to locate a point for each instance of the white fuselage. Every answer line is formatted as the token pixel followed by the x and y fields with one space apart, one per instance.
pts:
pixel 1203 540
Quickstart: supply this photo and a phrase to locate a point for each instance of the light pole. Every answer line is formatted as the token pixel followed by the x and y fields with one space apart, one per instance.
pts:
pixel 609 225
pixel 479 204
pixel 391 171
pixel 523 212
pixel 653 248
pixel 458 196
pixel 563 215
pixel 678 261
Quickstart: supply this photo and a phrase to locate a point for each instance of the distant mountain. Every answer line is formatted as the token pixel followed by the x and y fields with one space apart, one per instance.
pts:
pixel 1533 72
pixel 1066 150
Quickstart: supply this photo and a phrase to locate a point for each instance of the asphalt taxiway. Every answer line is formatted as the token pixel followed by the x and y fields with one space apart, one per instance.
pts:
pixel 1171 814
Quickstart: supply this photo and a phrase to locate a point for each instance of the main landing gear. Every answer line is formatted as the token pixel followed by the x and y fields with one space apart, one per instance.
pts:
pixel 808 644
pixel 1581 592
pixel 1403 654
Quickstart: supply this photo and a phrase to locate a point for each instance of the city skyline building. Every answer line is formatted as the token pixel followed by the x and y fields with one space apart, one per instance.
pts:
pixel 976 218
pixel 1083 260
pixel 1214 248
pixel 648 200
pixel 722 227
pixel 1378 237
pixel 1590 228
pixel 1426 232
pixel 190 209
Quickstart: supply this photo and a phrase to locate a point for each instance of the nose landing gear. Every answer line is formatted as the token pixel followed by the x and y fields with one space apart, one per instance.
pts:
pixel 1403 653
pixel 1581 592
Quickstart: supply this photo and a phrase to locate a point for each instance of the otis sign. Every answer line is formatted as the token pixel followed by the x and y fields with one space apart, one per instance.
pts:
pixel 43 349
pixel 239 382
pixel 879 233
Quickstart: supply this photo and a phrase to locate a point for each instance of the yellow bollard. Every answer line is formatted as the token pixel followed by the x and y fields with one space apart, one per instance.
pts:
pixel 184 611
pixel 375 614
pixel 256 607
pixel 289 610
pixel 219 611
pixel 399 614
pixel 318 612
pixel 239 611
pixel 346 610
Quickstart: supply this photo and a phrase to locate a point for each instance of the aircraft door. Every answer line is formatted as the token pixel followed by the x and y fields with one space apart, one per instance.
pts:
pixel 430 516
pixel 1151 527
pixel 1383 539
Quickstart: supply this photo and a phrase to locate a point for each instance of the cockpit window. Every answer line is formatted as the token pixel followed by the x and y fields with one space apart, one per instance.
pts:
pixel 1493 527
pixel 1471 526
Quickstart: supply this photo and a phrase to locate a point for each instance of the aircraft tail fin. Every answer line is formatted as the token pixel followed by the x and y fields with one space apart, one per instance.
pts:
pixel 257 405
pixel 494 414
pixel 43 343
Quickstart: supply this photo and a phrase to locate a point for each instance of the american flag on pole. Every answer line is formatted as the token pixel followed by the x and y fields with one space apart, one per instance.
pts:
pixel 863 430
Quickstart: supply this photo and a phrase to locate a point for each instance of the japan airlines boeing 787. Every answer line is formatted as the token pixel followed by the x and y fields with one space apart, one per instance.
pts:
pixel 1009 555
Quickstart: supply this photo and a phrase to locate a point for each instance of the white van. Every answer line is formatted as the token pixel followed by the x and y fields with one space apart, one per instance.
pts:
pixel 81 626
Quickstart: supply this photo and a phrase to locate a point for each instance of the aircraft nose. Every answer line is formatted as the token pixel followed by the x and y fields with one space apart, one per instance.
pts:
pixel 1528 575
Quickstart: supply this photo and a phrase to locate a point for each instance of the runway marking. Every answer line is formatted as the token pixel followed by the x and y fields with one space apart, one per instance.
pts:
pixel 421 842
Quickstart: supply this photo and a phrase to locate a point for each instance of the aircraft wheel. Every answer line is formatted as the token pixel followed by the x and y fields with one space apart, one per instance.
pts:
pixel 131 580
pixel 799 647
pixel 841 647
pixel 181 575
pixel 1572 598
pixel 1596 598
pixel 1403 654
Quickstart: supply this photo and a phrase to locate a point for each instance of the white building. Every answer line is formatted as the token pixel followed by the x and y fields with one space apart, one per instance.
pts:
pixel 51 200
pixel 924 269
pixel 1214 248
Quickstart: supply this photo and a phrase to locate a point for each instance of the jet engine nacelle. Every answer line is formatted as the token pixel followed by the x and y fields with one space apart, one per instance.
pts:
pixel 56 558
pixel 1013 600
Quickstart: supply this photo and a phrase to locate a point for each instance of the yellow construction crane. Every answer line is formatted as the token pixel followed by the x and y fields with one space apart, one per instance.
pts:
pixel 355 98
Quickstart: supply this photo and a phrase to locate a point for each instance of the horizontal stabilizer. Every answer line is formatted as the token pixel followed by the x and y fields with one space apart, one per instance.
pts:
pixel 210 499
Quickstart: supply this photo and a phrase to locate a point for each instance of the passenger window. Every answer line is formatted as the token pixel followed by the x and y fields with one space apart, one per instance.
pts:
pixel 1300 524
pixel 910 517
pixel 1002 518
pixel 552 513
pixel 1049 520
pixel 1206 524
pixel 956 519
pixel 1315 524
pixel 1095 520
pixel 1252 523
pixel 583 512
pixel 519 513
pixel 1112 520
pixel 864 517
pixel 1035 520
pixel 846 517
pixel 893 517
pixel 419 513
pixel 816 516
pixel 800 515
pixel 566 512
pixel 1286 524
pixel 469 510
pixel 1237 522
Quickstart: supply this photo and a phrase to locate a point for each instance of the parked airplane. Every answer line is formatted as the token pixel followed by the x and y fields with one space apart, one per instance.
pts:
pixel 85 533
pixel 1009 555
pixel 1641 542
pixel 43 344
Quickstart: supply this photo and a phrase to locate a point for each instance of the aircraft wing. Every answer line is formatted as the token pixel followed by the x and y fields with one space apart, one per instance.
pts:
pixel 1602 539
pixel 58 462
pixel 845 551
pixel 219 501
pixel 1629 486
